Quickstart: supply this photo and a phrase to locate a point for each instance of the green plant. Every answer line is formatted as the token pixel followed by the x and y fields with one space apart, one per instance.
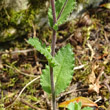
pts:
pixel 60 66
pixel 77 106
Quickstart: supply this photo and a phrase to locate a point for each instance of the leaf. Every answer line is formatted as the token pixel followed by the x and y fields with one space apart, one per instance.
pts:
pixel 92 76
pixel 77 106
pixel 43 50
pixel 58 7
pixel 71 106
pixel 45 80
pixel 85 102
pixel 94 87
pixel 87 108
pixel 63 72
pixel 70 5
pixel 74 106
pixel 63 9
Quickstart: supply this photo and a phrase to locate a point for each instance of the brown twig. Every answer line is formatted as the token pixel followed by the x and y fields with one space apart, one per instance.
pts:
pixel 18 51
pixel 18 97
pixel 29 75
pixel 101 73
pixel 106 81
pixel 30 105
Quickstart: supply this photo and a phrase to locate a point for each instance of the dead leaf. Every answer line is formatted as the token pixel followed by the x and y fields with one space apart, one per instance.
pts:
pixel 85 102
pixel 92 76
pixel 94 87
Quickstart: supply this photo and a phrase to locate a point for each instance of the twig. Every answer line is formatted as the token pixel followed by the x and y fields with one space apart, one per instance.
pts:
pixel 66 93
pixel 92 51
pixel 18 51
pixel 27 86
pixel 101 72
pixel 107 86
pixel 100 98
pixel 30 105
pixel 47 100
pixel 20 71
pixel 106 37
pixel 21 51
pixel 106 81
pixel 79 67
pixel 23 90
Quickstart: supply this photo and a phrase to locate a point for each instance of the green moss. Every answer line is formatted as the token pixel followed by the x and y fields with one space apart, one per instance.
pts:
pixel 107 68
pixel 22 20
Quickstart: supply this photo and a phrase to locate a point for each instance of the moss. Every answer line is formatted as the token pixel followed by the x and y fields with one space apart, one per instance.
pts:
pixel 107 69
pixel 22 20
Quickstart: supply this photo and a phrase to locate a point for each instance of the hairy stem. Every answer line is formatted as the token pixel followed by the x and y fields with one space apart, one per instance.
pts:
pixel 53 53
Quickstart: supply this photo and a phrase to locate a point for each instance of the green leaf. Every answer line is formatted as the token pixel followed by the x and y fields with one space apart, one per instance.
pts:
pixel 43 50
pixel 63 10
pixel 63 72
pixel 77 106
pixel 74 106
pixel 58 7
pixel 71 106
pixel 87 108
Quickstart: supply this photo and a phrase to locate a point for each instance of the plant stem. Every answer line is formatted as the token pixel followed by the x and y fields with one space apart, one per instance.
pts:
pixel 53 53
pixel 62 9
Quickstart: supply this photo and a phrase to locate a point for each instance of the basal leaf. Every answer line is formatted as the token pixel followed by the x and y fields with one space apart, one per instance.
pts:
pixel 63 72
pixel 63 9
pixel 45 79
pixel 43 50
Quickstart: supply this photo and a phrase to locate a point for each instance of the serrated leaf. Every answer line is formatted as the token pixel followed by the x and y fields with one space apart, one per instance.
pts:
pixel 43 50
pixel 45 80
pixel 58 7
pixel 63 9
pixel 63 72
pixel 70 5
